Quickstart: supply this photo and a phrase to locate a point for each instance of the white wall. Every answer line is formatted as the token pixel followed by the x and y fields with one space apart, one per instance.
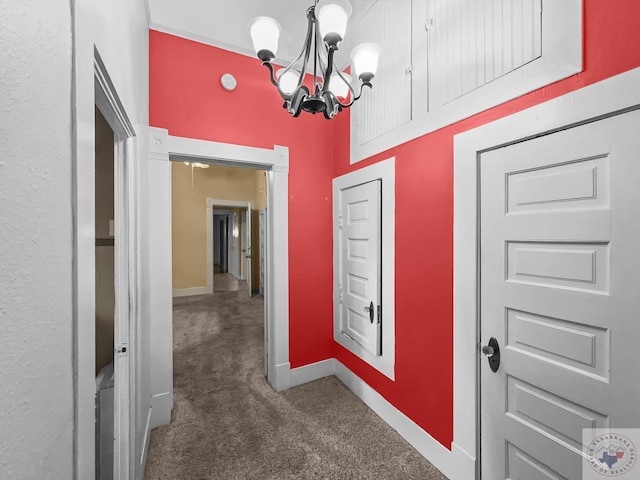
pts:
pixel 36 334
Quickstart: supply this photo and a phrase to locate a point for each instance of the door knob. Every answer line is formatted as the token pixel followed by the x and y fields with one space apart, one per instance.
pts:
pixel 488 351
pixel 370 310
pixel 492 352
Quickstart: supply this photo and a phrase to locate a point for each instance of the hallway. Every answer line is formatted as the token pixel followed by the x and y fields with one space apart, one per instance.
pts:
pixel 228 423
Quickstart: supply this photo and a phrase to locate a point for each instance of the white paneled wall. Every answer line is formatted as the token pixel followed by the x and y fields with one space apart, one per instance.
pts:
pixel 388 104
pixel 472 42
pixel 435 52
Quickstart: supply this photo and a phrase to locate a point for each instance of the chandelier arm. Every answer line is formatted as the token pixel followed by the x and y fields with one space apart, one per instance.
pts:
pixel 354 99
pixel 348 84
pixel 306 49
pixel 295 103
pixel 333 105
pixel 319 44
pixel 272 77
pixel 329 70
pixel 315 56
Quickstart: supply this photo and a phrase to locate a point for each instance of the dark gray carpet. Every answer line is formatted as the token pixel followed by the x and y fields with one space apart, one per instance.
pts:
pixel 229 424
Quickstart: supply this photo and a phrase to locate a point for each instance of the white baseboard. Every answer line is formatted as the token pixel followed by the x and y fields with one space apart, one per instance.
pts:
pixel 313 371
pixel 161 405
pixel 283 376
pixel 455 464
pixel 145 444
pixel 464 465
pixel 187 292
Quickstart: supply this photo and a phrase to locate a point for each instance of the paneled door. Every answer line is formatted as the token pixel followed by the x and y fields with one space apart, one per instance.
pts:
pixel 560 296
pixel 360 265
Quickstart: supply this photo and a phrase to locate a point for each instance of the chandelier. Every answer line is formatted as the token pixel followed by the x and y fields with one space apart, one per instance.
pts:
pixel 327 25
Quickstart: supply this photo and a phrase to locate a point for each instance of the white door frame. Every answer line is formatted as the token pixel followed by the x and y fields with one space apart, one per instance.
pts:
pixel 163 148
pixel 211 203
pixel 95 88
pixel 126 317
pixel 609 97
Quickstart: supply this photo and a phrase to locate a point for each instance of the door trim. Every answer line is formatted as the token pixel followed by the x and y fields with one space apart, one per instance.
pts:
pixel 211 202
pixel 127 287
pixel 606 98
pixel 384 171
pixel 166 148
pixel 94 87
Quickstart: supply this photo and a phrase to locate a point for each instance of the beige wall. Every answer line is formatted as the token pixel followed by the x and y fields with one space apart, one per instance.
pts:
pixel 261 189
pixel 190 190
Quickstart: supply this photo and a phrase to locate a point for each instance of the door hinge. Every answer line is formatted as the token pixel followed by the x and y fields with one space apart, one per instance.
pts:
pixel 340 294
pixel 379 314
pixel 122 350
pixel 339 222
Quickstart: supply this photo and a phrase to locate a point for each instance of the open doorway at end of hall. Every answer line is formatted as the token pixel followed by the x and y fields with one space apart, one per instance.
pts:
pixel 218 333
pixel 237 245
pixel 219 237
pixel 218 232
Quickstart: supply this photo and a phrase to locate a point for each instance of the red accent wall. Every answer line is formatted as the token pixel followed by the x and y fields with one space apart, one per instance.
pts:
pixel 185 97
pixel 423 388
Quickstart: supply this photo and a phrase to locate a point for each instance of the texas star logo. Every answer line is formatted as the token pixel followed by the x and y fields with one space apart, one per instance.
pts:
pixel 611 454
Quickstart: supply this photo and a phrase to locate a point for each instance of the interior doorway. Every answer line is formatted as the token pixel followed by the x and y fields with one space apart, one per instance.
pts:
pixel 105 295
pixel 168 149
pixel 231 198
pixel 231 239
pixel 115 281
pixel 220 251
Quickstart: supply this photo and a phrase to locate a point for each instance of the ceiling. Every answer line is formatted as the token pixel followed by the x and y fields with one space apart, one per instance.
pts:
pixel 225 24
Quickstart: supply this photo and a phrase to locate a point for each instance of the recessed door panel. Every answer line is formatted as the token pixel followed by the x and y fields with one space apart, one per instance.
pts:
pixel 360 270
pixel 560 265
pixel 580 184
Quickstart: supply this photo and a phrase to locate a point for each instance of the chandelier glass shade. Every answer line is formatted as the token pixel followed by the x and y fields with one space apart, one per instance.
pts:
pixel 331 89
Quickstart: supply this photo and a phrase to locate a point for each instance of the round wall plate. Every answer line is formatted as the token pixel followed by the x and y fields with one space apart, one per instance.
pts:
pixel 228 82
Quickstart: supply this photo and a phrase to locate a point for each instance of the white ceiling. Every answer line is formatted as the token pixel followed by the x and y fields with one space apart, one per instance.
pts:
pixel 225 24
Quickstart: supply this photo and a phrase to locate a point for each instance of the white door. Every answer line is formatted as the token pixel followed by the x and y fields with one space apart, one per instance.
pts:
pixel 360 270
pixel 248 254
pixel 126 280
pixel 560 292
pixel 234 245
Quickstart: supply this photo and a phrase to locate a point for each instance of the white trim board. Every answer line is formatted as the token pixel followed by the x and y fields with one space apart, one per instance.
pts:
pixel 313 371
pixel 191 291
pixel 145 444
pixel 93 87
pixel 608 97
